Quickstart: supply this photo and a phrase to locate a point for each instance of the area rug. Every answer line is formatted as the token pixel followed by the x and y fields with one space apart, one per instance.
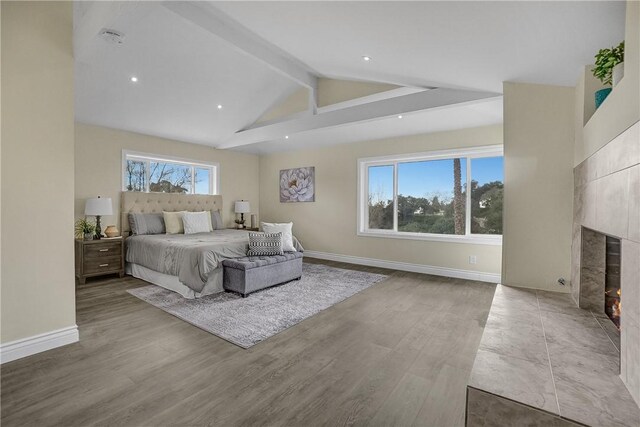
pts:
pixel 247 321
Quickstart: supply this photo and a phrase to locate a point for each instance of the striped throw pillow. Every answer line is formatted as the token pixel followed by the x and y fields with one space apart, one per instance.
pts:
pixel 265 244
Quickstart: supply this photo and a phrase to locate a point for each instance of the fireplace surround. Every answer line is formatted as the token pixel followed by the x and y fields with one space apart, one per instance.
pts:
pixel 600 284
pixel 612 288
pixel 607 208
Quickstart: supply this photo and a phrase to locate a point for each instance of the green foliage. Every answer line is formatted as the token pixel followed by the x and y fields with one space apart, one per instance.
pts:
pixel 431 215
pixel 84 226
pixel 486 208
pixel 606 59
pixel 381 215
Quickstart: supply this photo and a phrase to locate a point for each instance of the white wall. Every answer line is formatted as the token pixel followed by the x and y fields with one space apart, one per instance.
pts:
pixel 38 291
pixel 98 167
pixel 329 224
pixel 538 207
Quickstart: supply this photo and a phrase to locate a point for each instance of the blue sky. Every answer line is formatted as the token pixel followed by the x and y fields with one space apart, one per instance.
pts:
pixel 202 181
pixel 420 179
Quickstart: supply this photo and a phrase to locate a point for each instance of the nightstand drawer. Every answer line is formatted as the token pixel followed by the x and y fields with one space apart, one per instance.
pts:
pixel 102 250
pixel 106 263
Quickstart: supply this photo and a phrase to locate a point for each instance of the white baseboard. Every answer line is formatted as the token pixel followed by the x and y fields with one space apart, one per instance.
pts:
pixel 38 343
pixel 405 266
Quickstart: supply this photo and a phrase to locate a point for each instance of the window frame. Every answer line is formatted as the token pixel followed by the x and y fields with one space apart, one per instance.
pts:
pixel 363 165
pixel 214 168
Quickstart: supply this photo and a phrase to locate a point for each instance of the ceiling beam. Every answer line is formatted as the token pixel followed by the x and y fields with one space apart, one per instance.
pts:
pixel 314 109
pixel 211 19
pixel 387 94
pixel 406 104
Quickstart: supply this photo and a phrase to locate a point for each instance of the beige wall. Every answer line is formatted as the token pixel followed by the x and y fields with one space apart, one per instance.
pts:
pixel 38 291
pixel 295 103
pixel 586 86
pixel 621 109
pixel 332 91
pixel 329 224
pixel 98 155
pixel 538 207
pixel 0 174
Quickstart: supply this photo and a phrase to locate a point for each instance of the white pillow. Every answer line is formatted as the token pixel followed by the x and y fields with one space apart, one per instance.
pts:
pixel 173 222
pixel 197 222
pixel 285 229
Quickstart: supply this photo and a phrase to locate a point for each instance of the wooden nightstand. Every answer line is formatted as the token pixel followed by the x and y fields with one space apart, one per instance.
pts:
pixel 99 257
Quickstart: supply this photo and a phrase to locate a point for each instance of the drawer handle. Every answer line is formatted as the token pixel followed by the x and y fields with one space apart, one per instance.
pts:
pixel 104 265
pixel 104 250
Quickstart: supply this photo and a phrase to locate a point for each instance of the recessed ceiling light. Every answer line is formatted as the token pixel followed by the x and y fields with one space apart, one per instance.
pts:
pixel 286 137
pixel 366 58
pixel 219 107
pixel 134 79
pixel 400 116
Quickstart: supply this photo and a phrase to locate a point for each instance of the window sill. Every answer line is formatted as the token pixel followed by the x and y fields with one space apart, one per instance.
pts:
pixel 471 239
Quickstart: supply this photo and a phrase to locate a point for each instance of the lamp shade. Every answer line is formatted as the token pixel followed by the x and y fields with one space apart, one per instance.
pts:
pixel 98 206
pixel 242 206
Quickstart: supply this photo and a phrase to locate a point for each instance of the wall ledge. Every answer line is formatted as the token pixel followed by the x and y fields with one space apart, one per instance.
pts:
pixel 18 349
pixel 405 266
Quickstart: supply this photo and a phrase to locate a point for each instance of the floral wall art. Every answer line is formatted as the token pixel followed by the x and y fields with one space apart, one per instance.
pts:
pixel 298 185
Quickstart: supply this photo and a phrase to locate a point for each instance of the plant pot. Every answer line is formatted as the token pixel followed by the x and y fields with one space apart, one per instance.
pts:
pixel 111 231
pixel 601 95
pixel 88 236
pixel 617 74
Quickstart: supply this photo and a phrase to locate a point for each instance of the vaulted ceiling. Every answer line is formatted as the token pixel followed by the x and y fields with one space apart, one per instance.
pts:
pixel 466 44
pixel 254 58
pixel 183 74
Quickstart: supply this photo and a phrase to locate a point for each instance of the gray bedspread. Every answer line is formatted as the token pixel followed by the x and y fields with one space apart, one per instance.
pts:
pixel 190 257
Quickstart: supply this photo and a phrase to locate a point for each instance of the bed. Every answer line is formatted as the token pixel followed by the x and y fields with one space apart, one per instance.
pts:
pixel 190 265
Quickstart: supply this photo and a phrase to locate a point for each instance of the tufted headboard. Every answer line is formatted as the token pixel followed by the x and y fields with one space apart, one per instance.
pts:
pixel 134 201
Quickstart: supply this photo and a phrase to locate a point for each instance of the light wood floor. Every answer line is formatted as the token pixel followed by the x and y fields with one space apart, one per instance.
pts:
pixel 398 353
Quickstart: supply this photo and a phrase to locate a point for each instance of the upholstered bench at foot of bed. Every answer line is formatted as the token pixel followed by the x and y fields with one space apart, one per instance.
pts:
pixel 250 274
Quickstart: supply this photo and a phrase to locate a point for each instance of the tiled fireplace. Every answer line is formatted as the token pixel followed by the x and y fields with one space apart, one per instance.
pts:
pixel 600 289
pixel 543 361
pixel 606 246
pixel 612 289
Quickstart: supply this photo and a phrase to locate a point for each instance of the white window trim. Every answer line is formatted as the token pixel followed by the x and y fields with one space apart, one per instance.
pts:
pixel 393 160
pixel 214 184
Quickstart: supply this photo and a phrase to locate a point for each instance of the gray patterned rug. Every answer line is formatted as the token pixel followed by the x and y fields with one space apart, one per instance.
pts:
pixel 247 321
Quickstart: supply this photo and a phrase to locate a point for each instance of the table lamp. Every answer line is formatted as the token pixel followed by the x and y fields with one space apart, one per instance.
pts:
pixel 98 207
pixel 242 207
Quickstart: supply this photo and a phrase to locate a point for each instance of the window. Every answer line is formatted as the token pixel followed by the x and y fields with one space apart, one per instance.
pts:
pixel 486 195
pixel 424 196
pixel 157 174
pixel 381 197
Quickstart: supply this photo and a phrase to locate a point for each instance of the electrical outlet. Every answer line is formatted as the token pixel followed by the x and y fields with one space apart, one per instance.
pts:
pixel 473 259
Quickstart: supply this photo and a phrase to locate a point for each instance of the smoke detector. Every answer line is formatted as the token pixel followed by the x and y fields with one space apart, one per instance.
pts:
pixel 111 36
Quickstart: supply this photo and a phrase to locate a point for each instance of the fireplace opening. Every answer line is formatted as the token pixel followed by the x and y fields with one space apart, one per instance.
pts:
pixel 612 291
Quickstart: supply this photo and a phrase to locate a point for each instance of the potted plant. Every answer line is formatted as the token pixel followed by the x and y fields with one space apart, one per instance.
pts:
pixel 85 229
pixel 606 61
